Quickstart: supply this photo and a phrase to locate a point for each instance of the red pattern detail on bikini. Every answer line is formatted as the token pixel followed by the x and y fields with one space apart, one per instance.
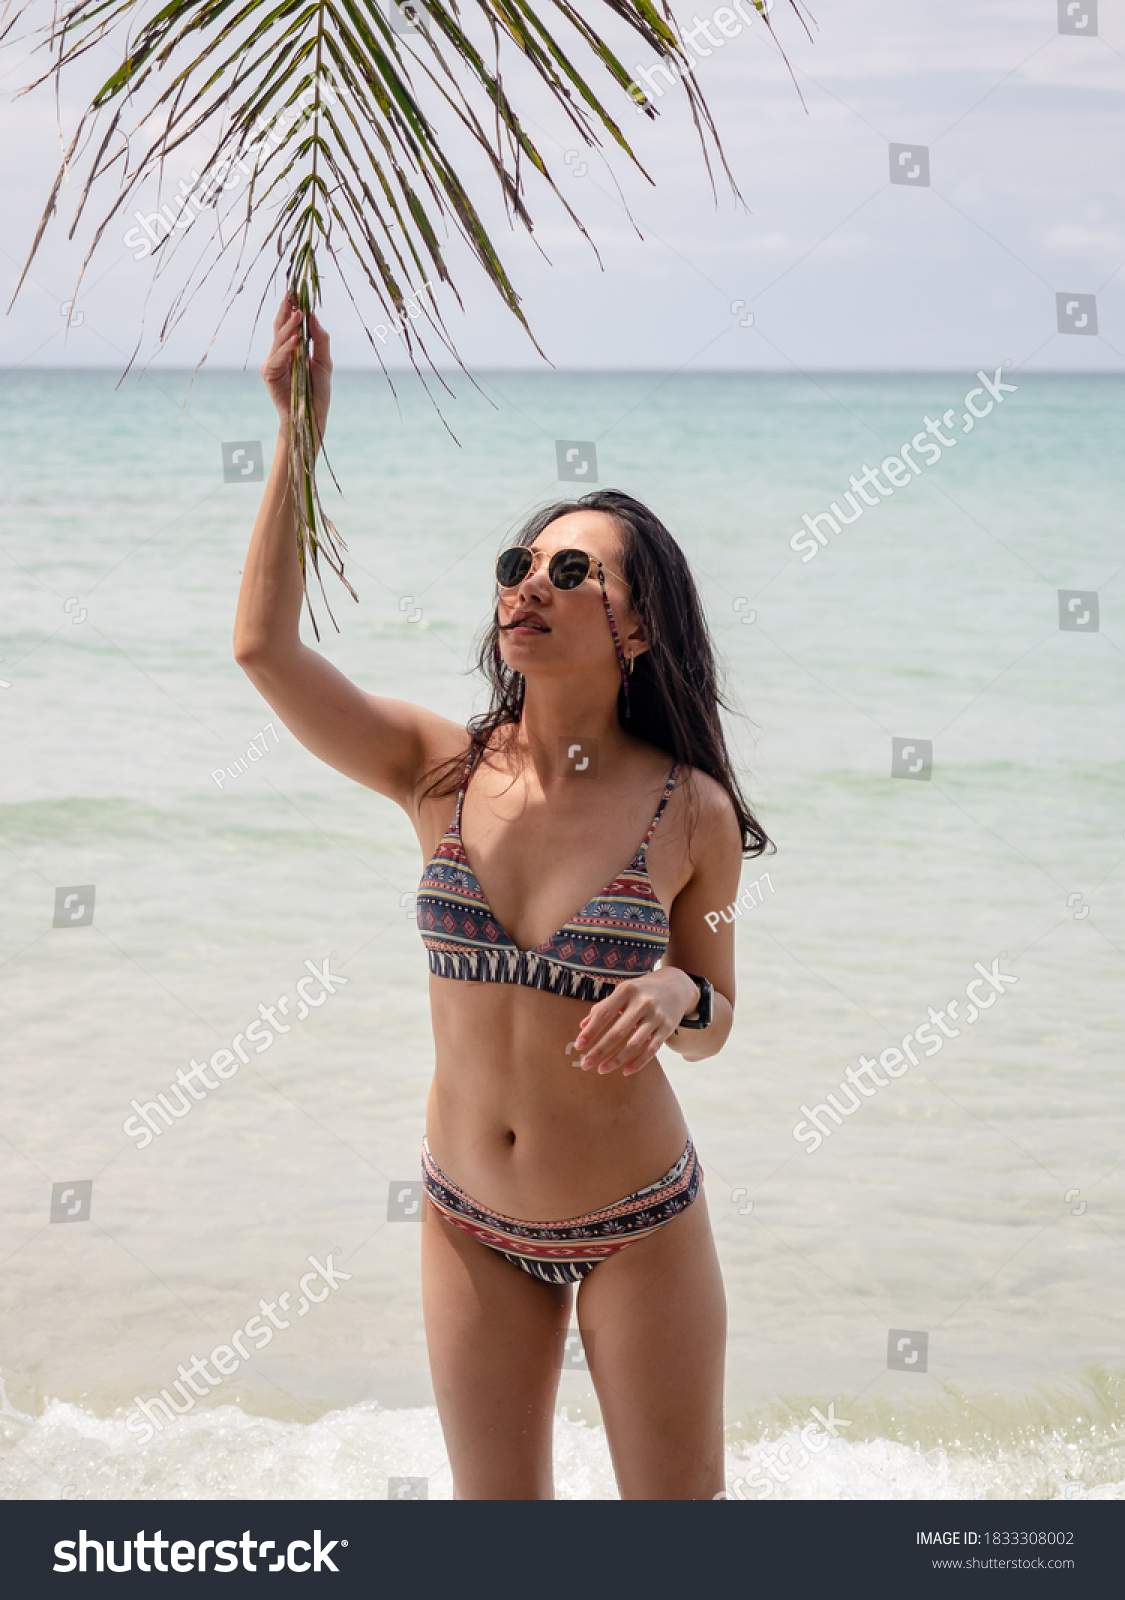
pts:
pixel 636 885
pixel 450 848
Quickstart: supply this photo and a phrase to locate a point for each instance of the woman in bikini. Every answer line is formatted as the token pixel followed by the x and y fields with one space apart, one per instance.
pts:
pixel 556 1155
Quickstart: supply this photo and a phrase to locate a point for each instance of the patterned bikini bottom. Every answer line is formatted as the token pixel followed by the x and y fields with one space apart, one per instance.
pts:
pixel 564 1252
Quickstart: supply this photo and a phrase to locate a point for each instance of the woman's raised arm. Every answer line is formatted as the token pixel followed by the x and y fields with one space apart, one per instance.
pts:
pixel 385 744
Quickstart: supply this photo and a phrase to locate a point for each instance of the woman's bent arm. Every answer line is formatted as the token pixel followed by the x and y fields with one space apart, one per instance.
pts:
pixel 385 744
pixel 696 945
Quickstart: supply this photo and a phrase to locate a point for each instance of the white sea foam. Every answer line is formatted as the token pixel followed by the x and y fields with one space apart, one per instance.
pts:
pixel 222 1453
pixel 353 1454
pixel 882 1469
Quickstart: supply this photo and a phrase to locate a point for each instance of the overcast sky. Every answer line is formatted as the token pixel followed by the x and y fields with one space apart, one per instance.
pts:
pixel 838 267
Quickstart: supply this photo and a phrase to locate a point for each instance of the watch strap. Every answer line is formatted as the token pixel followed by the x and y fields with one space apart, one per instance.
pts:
pixel 702 1013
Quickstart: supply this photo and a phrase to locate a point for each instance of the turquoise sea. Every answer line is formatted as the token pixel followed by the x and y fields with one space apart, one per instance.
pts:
pixel 977 1199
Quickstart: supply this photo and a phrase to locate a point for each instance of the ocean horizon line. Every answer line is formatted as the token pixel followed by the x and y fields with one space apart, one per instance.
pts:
pixel 616 372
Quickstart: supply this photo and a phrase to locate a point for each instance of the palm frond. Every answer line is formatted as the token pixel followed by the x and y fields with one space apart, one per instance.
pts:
pixel 348 125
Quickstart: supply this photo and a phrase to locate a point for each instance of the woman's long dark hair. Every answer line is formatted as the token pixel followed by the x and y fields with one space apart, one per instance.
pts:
pixel 674 693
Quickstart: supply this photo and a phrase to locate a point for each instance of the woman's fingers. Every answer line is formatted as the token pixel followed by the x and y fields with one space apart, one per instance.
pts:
pixel 277 369
pixel 595 1047
pixel 637 1017
pixel 285 333
pixel 645 1054
pixel 631 1050
pixel 598 1019
pixel 322 345
pixel 285 312
pixel 280 358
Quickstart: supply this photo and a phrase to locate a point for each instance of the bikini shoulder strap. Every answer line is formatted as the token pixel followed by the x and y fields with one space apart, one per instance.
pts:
pixel 455 825
pixel 668 787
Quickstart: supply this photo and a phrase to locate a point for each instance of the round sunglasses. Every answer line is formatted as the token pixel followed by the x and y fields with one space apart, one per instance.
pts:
pixel 566 568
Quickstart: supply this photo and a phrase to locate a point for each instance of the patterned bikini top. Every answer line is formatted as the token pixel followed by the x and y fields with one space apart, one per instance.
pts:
pixel 621 933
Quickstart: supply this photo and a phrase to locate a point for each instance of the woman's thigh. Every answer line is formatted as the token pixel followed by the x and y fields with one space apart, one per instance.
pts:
pixel 657 1313
pixel 494 1335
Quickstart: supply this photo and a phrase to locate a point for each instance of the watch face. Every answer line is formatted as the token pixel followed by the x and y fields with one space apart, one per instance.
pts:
pixel 702 1014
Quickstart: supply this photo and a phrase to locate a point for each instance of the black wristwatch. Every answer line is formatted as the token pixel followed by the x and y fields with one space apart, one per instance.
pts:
pixel 703 1014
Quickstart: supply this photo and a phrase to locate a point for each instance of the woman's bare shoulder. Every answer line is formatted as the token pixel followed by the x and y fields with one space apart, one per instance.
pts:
pixel 709 813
